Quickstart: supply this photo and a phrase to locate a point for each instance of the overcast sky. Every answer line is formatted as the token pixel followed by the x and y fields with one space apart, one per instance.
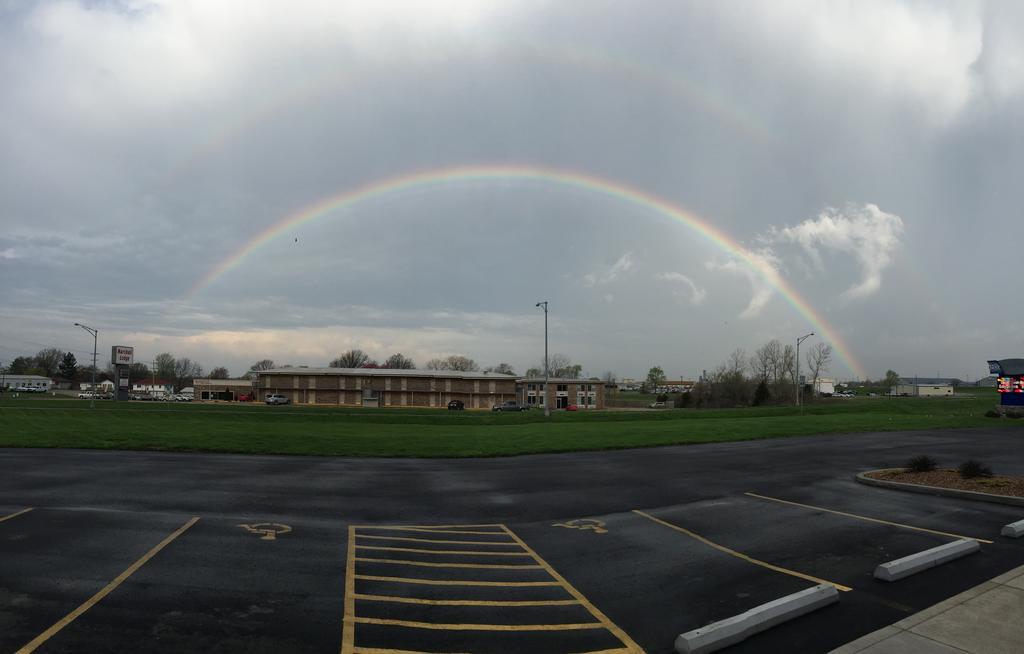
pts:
pixel 869 156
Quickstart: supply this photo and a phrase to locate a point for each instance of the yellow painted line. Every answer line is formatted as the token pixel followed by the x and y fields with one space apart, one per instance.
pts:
pixel 458 602
pixel 15 514
pixel 631 646
pixel 348 627
pixel 431 530
pixel 445 542
pixel 867 519
pixel 459 552
pixel 433 564
pixel 384 650
pixel 740 555
pixel 447 626
pixel 456 582
pixel 106 590
pixel 491 524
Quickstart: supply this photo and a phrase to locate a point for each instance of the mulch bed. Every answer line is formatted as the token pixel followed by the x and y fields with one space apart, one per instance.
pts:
pixel 944 478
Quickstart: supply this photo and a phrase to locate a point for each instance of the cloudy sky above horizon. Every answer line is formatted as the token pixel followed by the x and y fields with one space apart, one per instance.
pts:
pixel 863 159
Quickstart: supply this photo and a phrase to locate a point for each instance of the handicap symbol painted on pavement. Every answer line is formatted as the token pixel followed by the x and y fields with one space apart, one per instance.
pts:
pixel 267 530
pixel 583 524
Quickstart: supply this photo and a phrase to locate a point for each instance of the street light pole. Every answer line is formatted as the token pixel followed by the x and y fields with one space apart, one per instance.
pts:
pixel 94 332
pixel 547 372
pixel 799 387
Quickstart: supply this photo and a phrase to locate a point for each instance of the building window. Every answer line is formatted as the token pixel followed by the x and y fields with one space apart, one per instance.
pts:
pixel 531 399
pixel 562 387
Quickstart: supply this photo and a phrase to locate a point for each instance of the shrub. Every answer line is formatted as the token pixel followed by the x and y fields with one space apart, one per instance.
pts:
pixel 973 469
pixel 992 413
pixel 1013 414
pixel 921 463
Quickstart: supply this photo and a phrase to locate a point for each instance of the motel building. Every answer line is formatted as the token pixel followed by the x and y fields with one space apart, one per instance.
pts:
pixel 562 393
pixel 382 387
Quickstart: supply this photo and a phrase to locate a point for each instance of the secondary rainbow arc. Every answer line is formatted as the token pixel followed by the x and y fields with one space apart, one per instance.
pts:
pixel 505 173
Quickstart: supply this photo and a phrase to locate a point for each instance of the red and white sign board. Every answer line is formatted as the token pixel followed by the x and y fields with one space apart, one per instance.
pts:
pixel 122 355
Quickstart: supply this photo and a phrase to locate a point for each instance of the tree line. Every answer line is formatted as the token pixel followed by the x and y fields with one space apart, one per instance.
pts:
pixel 768 376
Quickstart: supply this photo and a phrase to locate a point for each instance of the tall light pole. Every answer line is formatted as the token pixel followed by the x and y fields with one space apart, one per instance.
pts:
pixel 94 332
pixel 547 372
pixel 798 385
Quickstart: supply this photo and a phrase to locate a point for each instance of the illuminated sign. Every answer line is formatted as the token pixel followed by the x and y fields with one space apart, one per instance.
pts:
pixel 122 355
pixel 1011 384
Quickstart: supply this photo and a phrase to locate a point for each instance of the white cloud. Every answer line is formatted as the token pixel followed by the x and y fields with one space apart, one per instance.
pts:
pixel 8 253
pixel 689 289
pixel 866 232
pixel 620 268
pixel 761 270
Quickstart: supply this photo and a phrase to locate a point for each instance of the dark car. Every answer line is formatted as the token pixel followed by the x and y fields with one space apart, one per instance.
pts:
pixel 510 405
pixel 456 405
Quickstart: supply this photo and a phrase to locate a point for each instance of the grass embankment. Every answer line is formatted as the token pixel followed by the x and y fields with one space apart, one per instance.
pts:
pixel 35 422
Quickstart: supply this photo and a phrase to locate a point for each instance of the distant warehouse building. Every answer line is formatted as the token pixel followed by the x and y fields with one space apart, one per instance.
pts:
pixel 923 390
pixel 382 387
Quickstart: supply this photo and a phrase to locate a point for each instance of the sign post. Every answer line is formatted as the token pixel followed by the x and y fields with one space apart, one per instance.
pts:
pixel 121 358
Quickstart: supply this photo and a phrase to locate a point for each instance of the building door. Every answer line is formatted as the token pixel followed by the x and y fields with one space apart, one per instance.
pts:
pixel 561 402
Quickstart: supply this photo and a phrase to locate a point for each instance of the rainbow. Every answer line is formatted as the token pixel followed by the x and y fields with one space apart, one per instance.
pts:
pixel 578 57
pixel 530 173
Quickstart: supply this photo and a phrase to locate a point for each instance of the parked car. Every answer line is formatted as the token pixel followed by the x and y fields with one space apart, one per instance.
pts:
pixel 85 395
pixel 244 397
pixel 572 407
pixel 656 405
pixel 456 405
pixel 277 399
pixel 510 405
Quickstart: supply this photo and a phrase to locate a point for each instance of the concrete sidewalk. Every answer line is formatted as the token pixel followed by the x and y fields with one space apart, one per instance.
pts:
pixel 987 619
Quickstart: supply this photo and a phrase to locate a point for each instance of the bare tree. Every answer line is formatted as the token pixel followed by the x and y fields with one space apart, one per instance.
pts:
pixel 609 377
pixel 819 357
pixel 185 370
pixel 459 362
pixel 263 364
pixel 164 364
pixel 398 361
pixel 219 372
pixel 436 364
pixel 501 369
pixel 48 361
pixel 352 359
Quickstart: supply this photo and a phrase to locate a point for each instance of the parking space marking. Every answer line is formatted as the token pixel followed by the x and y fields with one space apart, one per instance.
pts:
pixel 740 555
pixel 420 551
pixel 15 514
pixel 380 650
pixel 456 602
pixel 456 582
pixel 571 598
pixel 433 564
pixel 407 539
pixel 608 624
pixel 573 626
pixel 867 519
pixel 106 590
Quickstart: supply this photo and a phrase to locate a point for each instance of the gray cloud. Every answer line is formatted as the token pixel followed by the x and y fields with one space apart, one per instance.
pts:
pixel 148 142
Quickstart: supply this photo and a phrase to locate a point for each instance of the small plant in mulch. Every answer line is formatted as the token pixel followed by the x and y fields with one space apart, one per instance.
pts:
pixel 1016 415
pixel 921 463
pixel 992 413
pixel 974 470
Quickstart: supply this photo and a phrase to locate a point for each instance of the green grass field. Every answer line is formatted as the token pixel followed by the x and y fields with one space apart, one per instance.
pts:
pixel 30 421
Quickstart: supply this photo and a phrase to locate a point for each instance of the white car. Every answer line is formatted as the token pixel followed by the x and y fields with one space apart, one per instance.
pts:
pixel 86 395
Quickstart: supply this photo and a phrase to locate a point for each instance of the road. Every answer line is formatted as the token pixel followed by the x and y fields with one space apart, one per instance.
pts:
pixel 585 552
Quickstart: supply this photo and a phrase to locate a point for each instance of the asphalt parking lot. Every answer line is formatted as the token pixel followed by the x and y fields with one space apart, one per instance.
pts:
pixel 597 552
